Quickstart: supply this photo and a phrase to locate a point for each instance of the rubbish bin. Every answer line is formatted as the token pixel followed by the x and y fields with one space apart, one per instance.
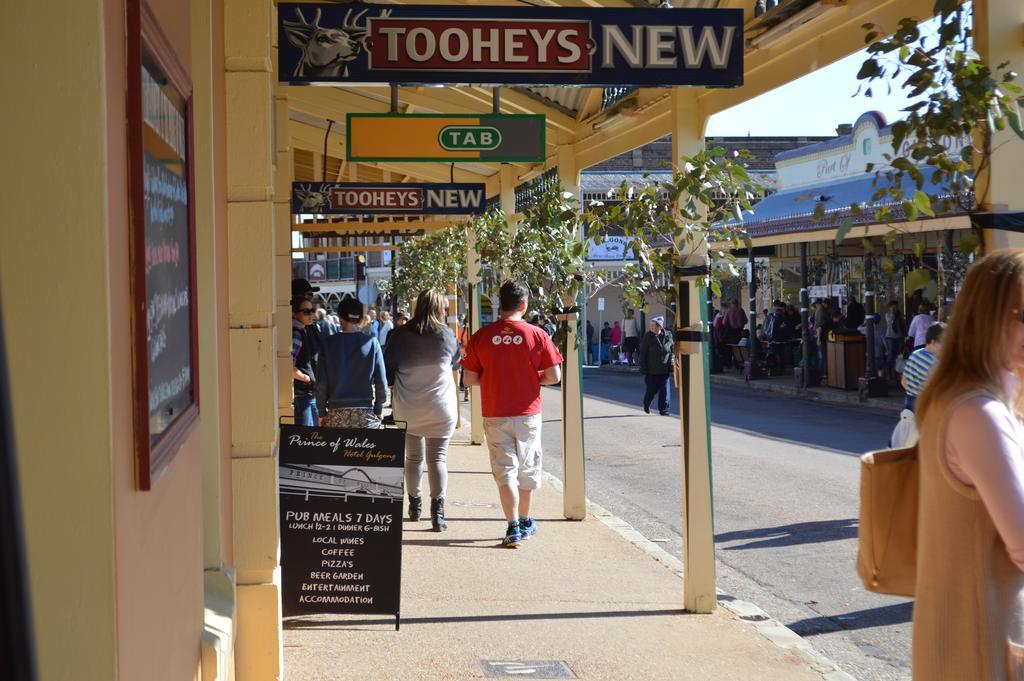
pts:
pixel 845 360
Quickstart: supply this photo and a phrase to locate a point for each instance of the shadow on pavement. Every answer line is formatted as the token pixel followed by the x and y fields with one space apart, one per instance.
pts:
pixel 525 617
pixel 899 613
pixel 487 543
pixel 791 535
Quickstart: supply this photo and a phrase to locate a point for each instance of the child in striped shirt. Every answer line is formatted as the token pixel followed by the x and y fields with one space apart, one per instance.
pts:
pixel 920 364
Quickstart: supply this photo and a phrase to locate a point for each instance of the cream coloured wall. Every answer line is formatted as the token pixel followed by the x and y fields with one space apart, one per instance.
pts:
pixel 54 183
pixel 116 574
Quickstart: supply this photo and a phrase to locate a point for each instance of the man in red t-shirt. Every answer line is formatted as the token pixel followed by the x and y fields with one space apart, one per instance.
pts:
pixel 510 360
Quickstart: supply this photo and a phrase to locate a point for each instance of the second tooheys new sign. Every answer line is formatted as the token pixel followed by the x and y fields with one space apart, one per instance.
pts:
pixel 333 43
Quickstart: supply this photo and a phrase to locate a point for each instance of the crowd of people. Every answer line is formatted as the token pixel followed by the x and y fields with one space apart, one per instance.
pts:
pixel 346 364
pixel 779 334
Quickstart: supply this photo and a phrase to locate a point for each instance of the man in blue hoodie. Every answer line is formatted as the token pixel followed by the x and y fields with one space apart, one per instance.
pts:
pixel 351 378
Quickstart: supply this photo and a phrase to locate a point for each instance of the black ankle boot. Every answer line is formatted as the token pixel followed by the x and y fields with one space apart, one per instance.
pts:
pixel 415 506
pixel 437 515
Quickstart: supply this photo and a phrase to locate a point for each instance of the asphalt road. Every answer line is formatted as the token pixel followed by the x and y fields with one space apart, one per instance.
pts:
pixel 786 478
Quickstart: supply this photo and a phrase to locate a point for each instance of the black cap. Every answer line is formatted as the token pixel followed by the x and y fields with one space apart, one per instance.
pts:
pixel 300 286
pixel 350 309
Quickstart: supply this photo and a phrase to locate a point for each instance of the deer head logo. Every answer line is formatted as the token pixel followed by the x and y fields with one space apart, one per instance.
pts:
pixel 327 52
pixel 312 202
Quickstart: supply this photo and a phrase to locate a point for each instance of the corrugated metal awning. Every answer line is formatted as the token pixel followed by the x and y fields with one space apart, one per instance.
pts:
pixel 792 211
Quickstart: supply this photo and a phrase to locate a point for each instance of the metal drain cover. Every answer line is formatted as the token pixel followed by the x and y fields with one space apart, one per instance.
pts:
pixel 529 669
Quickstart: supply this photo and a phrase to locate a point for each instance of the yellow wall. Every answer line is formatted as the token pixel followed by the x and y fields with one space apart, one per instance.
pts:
pixel 54 220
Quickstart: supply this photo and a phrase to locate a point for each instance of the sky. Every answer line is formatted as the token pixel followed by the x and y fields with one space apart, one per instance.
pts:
pixel 812 105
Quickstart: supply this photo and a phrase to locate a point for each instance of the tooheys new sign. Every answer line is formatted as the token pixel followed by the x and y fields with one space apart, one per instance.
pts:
pixel 399 198
pixel 361 43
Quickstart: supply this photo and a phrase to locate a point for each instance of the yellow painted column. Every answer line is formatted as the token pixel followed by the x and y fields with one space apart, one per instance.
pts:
pixel 252 298
pixel 453 324
pixel 997 29
pixel 574 489
pixel 476 420
pixel 283 218
pixel 699 594
pixel 507 197
pixel 507 203
pixel 218 639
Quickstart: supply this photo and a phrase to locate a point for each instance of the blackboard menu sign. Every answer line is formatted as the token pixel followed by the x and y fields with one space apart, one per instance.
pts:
pixel 163 246
pixel 341 495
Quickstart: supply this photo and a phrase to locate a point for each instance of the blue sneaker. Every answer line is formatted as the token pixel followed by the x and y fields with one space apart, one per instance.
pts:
pixel 513 536
pixel 527 526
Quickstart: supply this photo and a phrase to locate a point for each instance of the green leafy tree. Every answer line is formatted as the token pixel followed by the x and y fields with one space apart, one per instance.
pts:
pixel 713 192
pixel 435 261
pixel 942 150
pixel 543 250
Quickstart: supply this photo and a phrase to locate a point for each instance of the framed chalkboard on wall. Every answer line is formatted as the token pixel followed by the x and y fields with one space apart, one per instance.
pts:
pixel 164 361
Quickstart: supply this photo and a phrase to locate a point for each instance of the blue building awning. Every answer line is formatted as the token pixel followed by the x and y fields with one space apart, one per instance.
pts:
pixel 792 211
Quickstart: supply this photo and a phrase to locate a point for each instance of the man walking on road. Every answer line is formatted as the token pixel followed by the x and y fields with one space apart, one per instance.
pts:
pixel 510 360
pixel 656 362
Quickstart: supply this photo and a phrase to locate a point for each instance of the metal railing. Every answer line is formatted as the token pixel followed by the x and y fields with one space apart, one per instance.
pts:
pixel 530 191
pixel 614 94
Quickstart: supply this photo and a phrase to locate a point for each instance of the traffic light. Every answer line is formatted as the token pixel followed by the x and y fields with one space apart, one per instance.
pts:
pixel 360 267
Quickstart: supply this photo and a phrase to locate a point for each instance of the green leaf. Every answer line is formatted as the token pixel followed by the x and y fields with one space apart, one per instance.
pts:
pixel 868 69
pixel 918 279
pixel 917 250
pixel 887 266
pixel 1016 124
pixel 738 173
pixel 968 243
pixel 819 211
pixel 844 228
pixel 923 203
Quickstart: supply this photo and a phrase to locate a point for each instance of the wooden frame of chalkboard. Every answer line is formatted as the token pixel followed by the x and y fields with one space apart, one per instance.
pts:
pixel 163 246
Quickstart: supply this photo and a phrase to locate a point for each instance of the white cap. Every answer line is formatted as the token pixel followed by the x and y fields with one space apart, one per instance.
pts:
pixel 659 320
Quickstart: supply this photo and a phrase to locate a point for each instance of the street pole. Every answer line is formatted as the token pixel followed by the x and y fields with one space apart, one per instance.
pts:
pixel 947 281
pixel 751 369
pixel 805 333
pixel 715 359
pixel 394 257
pixel 871 385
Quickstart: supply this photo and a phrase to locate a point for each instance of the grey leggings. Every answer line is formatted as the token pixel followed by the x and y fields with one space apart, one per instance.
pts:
pixel 436 451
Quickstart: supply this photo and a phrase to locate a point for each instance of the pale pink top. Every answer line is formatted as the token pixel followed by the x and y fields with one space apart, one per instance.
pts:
pixel 985 450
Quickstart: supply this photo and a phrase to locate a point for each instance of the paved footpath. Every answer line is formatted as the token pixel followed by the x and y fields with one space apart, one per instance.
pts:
pixel 593 595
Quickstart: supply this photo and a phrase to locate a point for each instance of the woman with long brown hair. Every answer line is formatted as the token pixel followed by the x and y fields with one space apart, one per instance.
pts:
pixel 420 358
pixel 969 614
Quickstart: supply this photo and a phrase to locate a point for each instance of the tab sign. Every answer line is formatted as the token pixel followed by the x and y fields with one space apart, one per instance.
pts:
pixel 469 138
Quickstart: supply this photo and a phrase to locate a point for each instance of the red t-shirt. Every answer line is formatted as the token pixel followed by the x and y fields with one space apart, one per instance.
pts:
pixel 508 355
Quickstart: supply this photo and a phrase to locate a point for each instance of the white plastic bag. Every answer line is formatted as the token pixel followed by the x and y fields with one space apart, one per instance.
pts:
pixel 905 433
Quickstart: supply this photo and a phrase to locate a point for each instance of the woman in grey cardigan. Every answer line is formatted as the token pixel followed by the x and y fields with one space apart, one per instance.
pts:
pixel 420 358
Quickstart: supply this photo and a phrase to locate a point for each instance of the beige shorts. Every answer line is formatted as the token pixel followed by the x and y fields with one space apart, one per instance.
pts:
pixel 514 444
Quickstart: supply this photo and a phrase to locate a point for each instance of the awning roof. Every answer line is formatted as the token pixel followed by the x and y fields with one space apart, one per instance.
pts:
pixel 792 211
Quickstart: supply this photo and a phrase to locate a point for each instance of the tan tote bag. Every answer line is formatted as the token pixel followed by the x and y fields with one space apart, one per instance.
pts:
pixel 887 538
